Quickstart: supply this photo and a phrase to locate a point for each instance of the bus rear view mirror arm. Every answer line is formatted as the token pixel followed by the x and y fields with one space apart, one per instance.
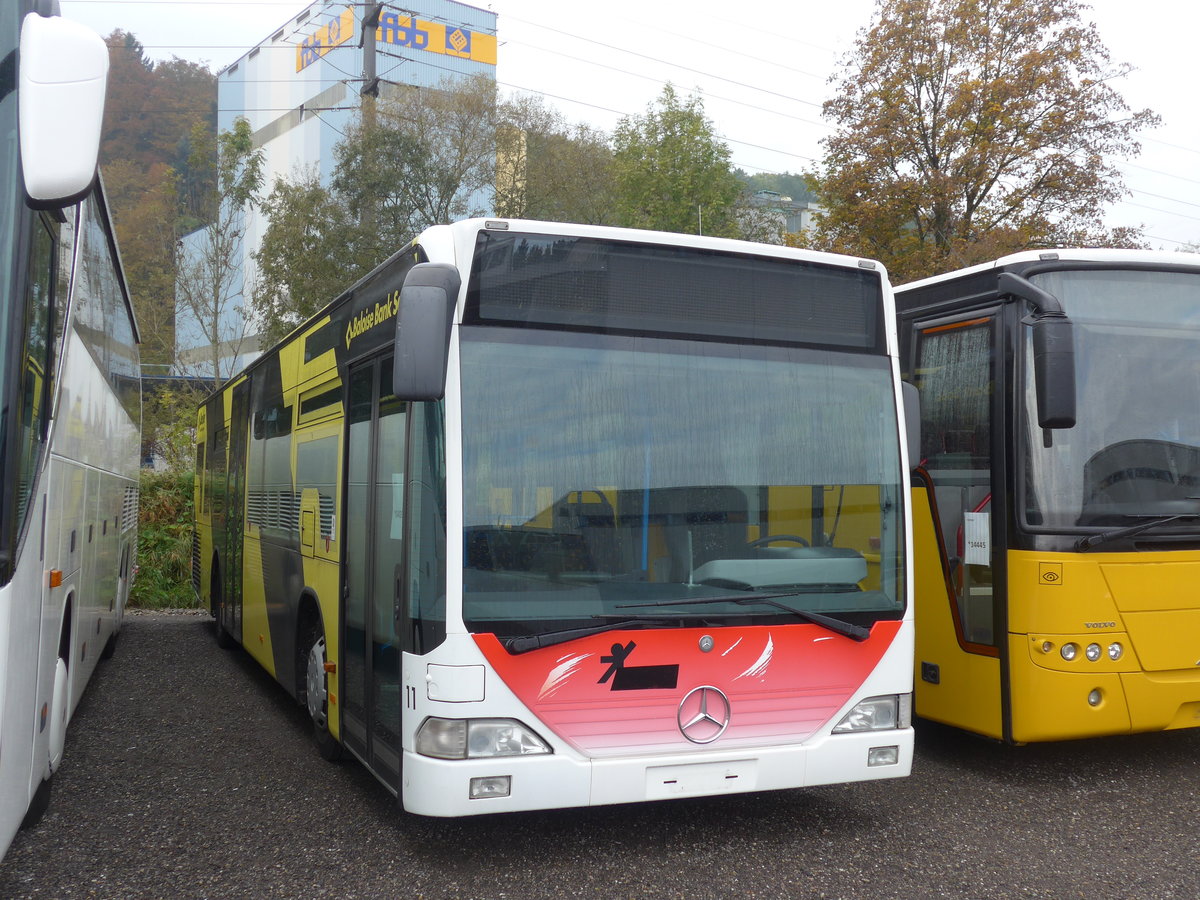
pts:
pixel 1053 352
pixel 427 303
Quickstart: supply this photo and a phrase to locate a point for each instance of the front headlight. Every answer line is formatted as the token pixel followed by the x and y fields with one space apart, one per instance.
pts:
pixel 477 739
pixel 876 714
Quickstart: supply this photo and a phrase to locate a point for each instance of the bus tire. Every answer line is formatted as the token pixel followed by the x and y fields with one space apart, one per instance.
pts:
pixel 60 705
pixel 38 804
pixel 316 695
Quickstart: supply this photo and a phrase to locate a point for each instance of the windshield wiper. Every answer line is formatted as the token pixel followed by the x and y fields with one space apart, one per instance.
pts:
pixel 1094 540
pixel 536 641
pixel 837 626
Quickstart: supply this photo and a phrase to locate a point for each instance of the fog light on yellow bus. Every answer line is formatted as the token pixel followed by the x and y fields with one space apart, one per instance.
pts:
pixel 1115 650
pixel 1047 646
pixel 1095 697
pixel 1069 651
pixel 1093 652
pixel 883 756
pixel 491 786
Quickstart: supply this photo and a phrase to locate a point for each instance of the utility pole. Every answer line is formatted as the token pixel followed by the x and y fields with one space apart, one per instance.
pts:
pixel 370 87
pixel 370 24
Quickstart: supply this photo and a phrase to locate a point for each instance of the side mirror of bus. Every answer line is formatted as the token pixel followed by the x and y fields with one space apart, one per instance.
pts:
pixel 63 69
pixel 912 421
pixel 427 303
pixel 1053 351
pixel 1054 371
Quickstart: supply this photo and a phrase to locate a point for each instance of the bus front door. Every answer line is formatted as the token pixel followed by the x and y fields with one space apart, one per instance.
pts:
pixel 370 647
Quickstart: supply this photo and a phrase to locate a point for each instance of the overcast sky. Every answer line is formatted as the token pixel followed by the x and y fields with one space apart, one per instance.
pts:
pixel 761 65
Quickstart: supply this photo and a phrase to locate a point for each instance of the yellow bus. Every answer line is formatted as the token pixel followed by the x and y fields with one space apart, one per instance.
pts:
pixel 1056 502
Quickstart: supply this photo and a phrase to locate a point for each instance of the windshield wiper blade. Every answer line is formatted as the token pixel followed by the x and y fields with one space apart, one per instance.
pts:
pixel 1094 540
pixel 536 641
pixel 837 626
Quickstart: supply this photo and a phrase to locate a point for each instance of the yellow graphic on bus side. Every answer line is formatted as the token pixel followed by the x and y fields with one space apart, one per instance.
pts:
pixel 401 31
pixel 372 316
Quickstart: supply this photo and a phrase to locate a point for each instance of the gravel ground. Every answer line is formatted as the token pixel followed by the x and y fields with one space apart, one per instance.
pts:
pixel 189 773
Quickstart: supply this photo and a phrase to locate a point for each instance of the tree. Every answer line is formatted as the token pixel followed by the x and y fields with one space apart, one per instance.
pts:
pixel 549 169
pixel 151 107
pixel 672 172
pixel 144 207
pixel 208 262
pixel 416 158
pixel 311 251
pixel 971 128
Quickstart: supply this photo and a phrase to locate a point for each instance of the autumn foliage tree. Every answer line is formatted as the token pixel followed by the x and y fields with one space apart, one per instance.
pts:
pixel 966 129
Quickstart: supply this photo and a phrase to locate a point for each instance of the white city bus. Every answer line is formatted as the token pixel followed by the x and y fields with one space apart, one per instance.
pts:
pixel 540 515
pixel 70 398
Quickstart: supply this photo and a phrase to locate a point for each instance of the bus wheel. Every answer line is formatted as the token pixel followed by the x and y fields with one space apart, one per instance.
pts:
pixel 59 704
pixel 39 804
pixel 316 694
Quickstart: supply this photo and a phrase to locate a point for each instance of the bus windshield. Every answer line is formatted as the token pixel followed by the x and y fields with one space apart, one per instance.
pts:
pixel 1135 450
pixel 601 473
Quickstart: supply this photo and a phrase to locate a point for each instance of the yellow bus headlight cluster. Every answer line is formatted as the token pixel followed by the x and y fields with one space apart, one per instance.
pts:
pixel 1093 652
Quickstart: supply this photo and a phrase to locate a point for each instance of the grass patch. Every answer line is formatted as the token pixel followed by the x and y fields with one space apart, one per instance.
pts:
pixel 164 579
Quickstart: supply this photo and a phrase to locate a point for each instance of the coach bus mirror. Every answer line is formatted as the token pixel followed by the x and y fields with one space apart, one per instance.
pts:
pixel 912 421
pixel 423 323
pixel 63 69
pixel 1053 351
pixel 1054 371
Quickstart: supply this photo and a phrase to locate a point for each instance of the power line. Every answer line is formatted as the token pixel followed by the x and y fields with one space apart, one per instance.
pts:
pixel 706 94
pixel 314 19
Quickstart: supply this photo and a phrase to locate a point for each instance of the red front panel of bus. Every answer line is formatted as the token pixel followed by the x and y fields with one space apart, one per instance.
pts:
pixel 634 692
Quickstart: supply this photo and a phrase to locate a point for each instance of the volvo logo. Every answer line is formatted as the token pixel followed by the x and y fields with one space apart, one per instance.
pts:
pixel 704 714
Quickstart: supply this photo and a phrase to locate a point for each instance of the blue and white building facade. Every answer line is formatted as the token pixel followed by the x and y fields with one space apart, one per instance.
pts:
pixel 300 89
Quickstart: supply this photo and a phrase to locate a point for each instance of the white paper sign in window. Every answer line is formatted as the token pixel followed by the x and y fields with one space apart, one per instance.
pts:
pixel 977 537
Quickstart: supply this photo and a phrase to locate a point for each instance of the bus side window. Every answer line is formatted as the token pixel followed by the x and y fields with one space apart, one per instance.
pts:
pixel 35 364
pixel 954 376
pixel 426 599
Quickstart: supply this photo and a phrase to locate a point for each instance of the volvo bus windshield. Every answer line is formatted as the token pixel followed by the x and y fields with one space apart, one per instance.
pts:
pixel 602 472
pixel 1135 450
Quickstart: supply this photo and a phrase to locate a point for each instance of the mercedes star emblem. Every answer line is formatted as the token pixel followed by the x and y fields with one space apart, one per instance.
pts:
pixel 704 714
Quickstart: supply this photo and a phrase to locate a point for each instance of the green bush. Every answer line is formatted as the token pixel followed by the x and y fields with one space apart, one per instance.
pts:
pixel 164 579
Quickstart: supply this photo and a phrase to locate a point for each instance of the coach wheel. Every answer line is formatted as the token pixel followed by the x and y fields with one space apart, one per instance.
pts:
pixel 316 694
pixel 39 804
pixel 58 713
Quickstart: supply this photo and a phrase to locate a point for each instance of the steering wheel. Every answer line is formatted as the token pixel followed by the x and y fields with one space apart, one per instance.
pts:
pixel 772 538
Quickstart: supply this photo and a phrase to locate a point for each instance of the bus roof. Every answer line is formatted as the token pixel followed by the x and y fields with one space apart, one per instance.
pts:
pixel 1066 254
